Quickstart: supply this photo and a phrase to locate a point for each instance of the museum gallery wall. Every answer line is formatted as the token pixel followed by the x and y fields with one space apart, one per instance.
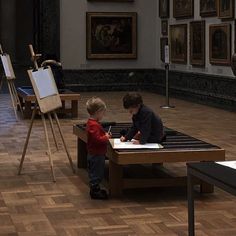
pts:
pixel 200 34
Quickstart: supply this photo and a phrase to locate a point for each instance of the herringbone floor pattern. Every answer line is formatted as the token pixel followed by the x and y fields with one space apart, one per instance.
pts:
pixel 31 204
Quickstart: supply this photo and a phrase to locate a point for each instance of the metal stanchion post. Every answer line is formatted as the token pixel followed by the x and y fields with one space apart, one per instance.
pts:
pixel 167 105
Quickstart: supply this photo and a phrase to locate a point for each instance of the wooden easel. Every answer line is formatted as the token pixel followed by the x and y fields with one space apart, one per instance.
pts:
pixel 46 105
pixel 10 77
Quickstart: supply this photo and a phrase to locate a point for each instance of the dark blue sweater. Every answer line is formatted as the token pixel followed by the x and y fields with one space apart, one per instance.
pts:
pixel 148 124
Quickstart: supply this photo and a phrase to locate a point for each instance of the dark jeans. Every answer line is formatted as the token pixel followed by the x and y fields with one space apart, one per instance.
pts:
pixel 96 166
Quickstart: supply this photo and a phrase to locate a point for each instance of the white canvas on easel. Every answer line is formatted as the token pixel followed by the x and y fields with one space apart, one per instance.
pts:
pixel 10 76
pixel 44 83
pixel 8 69
pixel 45 89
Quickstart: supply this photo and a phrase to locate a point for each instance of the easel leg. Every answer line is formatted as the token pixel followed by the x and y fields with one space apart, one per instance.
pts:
pixel 12 97
pixel 48 145
pixel 27 140
pixel 18 102
pixel 63 140
pixel 53 130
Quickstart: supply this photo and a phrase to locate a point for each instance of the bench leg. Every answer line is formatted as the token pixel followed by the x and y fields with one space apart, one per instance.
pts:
pixel 115 179
pixel 206 187
pixel 27 110
pixel 81 154
pixel 74 108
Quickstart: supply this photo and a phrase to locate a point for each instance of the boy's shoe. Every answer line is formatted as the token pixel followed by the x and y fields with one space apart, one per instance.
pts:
pixel 98 194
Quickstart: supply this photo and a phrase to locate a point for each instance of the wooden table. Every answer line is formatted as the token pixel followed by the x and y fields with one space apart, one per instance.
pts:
pixel 178 147
pixel 221 176
pixel 27 99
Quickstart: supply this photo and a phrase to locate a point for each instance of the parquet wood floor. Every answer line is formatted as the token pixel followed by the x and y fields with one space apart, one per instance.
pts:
pixel 31 204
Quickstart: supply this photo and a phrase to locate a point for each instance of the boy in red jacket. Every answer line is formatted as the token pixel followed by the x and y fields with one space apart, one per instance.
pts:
pixel 96 147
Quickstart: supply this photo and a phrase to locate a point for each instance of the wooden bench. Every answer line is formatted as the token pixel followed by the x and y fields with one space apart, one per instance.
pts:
pixel 27 99
pixel 178 147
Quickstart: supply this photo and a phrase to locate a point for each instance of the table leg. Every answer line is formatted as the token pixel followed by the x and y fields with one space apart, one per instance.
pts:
pixel 74 108
pixel 206 187
pixel 115 179
pixel 81 154
pixel 191 231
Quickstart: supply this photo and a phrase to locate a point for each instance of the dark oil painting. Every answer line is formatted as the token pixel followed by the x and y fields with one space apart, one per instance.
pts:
pixel 111 35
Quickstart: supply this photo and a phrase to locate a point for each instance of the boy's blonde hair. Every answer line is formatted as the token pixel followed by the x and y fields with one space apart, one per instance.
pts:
pixel 95 104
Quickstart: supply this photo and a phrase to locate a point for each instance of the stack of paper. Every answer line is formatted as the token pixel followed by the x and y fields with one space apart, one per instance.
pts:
pixel 231 164
pixel 117 144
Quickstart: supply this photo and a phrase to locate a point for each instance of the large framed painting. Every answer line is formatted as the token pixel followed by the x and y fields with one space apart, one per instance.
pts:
pixel 178 43
pixel 220 44
pixel 197 43
pixel 111 35
pixel 163 43
pixel 183 8
pixel 226 9
pixel 164 8
pixel 164 27
pixel 208 8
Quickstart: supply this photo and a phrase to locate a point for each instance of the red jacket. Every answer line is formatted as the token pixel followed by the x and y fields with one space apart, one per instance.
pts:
pixel 97 140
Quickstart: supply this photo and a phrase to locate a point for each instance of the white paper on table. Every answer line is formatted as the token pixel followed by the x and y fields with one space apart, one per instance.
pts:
pixel 117 144
pixel 7 66
pixel 45 83
pixel 231 164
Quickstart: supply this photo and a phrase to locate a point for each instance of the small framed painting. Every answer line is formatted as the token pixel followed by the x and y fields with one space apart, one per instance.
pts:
pixel 197 43
pixel 183 8
pixel 178 43
pixel 164 27
pixel 164 8
pixel 226 9
pixel 220 44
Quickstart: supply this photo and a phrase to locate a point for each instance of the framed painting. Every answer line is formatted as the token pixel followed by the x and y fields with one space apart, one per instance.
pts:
pixel 208 8
pixel 164 27
pixel 197 43
pixel 226 9
pixel 164 8
pixel 178 43
pixel 163 43
pixel 220 44
pixel 111 35
pixel 183 8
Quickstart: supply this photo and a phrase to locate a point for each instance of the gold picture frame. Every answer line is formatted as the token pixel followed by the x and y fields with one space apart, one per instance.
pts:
pixel 111 35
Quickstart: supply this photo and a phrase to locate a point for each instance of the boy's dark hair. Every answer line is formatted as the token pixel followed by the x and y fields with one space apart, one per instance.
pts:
pixel 131 100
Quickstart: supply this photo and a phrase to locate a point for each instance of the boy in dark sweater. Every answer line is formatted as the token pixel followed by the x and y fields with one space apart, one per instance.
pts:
pixel 147 126
pixel 96 146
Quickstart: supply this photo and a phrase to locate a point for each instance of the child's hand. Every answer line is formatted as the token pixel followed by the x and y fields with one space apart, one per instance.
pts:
pixel 137 135
pixel 108 135
pixel 136 142
pixel 122 139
